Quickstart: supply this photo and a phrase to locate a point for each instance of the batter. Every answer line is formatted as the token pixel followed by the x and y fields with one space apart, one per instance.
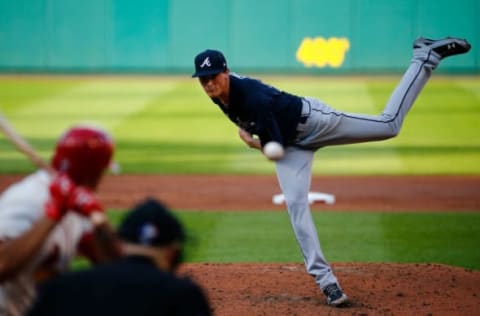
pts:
pixel 43 217
pixel 304 124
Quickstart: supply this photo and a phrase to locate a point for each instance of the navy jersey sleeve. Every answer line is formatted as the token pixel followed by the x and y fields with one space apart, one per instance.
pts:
pixel 276 112
pixel 261 101
pixel 268 128
pixel 262 110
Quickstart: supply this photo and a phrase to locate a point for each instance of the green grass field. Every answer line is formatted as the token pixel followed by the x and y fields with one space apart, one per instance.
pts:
pixel 167 125
pixel 263 236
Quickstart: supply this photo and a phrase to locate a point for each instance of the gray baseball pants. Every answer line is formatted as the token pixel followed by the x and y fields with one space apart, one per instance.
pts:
pixel 326 126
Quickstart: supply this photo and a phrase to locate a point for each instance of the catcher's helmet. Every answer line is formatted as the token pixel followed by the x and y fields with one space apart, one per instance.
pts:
pixel 83 153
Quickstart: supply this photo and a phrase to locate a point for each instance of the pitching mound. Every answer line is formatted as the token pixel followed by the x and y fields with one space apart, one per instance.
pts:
pixel 373 289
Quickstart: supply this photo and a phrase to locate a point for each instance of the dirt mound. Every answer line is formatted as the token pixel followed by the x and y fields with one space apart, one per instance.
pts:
pixel 243 193
pixel 373 289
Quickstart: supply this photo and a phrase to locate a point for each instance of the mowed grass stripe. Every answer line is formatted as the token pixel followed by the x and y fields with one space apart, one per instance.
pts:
pixel 168 124
pixel 263 236
pixel 180 115
pixel 100 102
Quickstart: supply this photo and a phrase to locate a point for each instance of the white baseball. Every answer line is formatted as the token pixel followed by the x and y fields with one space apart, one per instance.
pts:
pixel 273 150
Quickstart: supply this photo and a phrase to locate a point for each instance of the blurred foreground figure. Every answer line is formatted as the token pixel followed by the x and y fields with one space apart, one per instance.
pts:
pixel 44 218
pixel 143 282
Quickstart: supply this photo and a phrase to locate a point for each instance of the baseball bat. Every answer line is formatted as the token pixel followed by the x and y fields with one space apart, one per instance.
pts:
pixel 98 219
pixel 21 144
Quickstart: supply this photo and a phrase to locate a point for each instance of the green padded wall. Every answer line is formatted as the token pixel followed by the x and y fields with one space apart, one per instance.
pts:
pixel 288 36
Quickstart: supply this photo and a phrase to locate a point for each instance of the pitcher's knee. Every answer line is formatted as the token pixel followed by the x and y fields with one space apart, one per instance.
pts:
pixel 393 132
pixel 385 134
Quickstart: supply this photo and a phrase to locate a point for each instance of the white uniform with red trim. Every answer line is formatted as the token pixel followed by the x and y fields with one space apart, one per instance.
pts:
pixel 21 205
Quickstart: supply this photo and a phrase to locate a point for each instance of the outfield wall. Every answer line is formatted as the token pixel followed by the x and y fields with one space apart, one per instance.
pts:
pixel 292 36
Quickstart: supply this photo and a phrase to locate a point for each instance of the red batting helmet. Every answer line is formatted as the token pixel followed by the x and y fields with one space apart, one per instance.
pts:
pixel 83 153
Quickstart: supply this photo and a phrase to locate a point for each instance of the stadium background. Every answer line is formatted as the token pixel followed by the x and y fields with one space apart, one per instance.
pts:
pixel 161 36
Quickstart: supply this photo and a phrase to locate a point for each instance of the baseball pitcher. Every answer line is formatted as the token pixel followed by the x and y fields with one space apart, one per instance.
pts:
pixel 304 124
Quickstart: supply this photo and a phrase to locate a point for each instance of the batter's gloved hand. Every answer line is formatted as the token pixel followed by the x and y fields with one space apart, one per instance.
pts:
pixel 60 190
pixel 84 202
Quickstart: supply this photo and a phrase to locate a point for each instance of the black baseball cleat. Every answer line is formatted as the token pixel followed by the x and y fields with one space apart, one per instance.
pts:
pixel 445 47
pixel 334 294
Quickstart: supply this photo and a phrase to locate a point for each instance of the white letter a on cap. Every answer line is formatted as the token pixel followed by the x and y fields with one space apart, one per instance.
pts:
pixel 206 62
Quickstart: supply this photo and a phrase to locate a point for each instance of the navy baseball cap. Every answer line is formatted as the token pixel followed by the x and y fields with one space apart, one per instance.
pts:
pixel 209 62
pixel 150 223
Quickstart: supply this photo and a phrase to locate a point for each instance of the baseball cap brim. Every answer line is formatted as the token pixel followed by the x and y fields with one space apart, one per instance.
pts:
pixel 206 73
